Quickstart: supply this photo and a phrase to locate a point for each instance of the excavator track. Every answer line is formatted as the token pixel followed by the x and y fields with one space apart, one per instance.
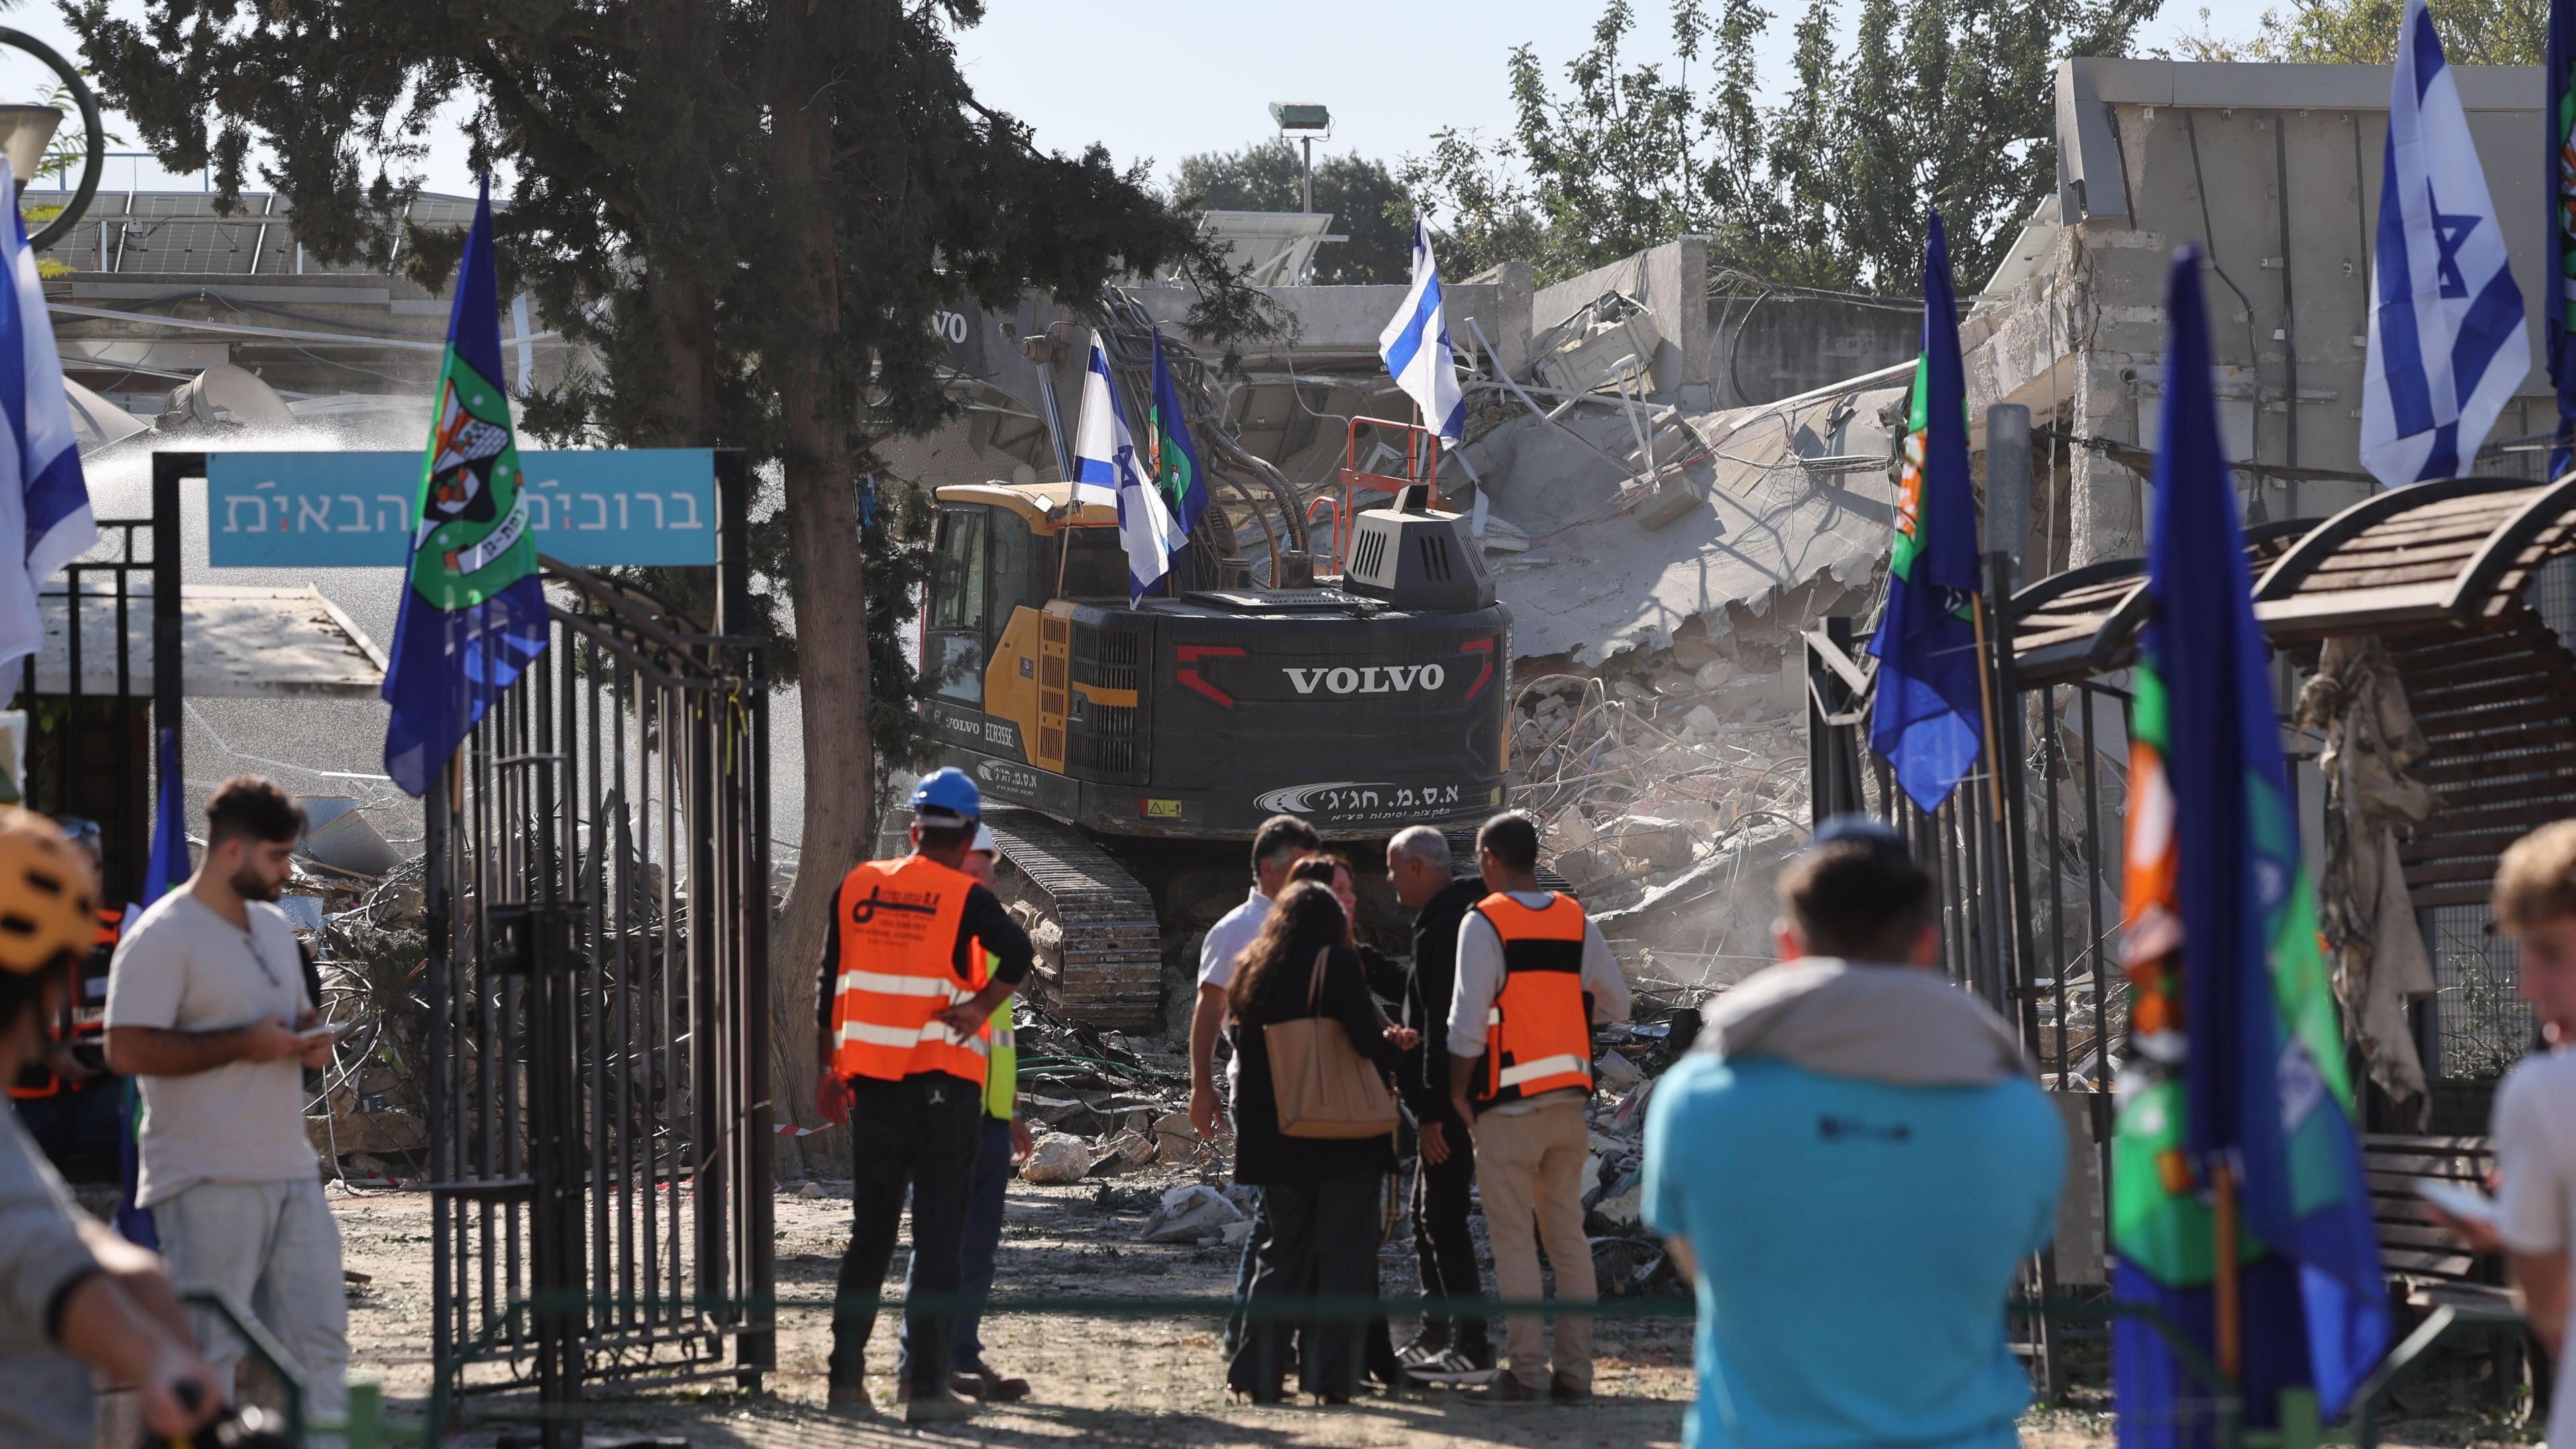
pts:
pixel 1098 937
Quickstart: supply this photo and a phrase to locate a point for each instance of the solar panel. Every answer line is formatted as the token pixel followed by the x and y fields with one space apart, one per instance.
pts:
pixel 179 234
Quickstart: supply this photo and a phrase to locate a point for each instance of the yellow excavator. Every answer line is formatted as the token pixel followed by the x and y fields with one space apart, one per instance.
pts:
pixel 1128 749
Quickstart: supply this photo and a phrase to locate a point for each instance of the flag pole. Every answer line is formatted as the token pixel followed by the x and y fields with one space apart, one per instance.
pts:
pixel 2225 1298
pixel 1986 692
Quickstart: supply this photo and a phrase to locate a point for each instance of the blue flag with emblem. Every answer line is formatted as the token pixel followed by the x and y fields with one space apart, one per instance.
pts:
pixel 2559 187
pixel 2235 1052
pixel 1926 713
pixel 473 612
pixel 1171 456
pixel 2447 340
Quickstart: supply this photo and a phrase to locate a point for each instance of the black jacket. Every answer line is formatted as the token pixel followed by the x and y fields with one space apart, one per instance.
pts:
pixel 1425 1077
pixel 1264 1155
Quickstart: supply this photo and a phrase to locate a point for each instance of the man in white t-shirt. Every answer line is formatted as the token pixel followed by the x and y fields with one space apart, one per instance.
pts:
pixel 2535 1109
pixel 1277 846
pixel 207 1007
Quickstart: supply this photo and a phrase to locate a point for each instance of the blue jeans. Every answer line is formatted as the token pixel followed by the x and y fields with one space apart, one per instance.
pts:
pixel 982 1228
pixel 1243 1273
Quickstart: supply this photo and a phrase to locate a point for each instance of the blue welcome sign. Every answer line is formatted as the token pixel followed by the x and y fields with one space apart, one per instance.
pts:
pixel 354 510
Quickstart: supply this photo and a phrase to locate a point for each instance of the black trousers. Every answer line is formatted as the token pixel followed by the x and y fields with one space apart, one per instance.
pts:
pixel 1322 1243
pixel 919 1133
pixel 1441 1193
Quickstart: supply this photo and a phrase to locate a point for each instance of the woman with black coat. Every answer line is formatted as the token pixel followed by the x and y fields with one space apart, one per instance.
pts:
pixel 1321 1193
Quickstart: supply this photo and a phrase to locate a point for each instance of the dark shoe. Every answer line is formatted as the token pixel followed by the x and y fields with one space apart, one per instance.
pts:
pixel 1506 1388
pixel 1477 1352
pixel 1423 1349
pixel 850 1401
pixel 1562 1388
pixel 988 1386
pixel 941 1407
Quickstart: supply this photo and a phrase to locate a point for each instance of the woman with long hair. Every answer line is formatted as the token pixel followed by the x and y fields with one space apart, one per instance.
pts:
pixel 1321 1193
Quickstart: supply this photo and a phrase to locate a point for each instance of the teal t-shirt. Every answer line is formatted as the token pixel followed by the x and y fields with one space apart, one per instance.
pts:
pixel 1856 1243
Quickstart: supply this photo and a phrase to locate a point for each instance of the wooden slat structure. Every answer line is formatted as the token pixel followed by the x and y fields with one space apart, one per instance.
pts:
pixel 2426 1262
pixel 2085 620
pixel 2441 572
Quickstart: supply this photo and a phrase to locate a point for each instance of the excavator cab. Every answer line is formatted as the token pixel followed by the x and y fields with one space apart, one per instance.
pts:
pixel 1111 738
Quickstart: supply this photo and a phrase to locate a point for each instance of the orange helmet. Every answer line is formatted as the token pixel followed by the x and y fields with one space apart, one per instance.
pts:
pixel 48 895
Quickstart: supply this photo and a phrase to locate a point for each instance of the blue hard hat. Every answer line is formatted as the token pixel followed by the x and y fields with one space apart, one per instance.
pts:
pixel 947 796
pixel 1877 835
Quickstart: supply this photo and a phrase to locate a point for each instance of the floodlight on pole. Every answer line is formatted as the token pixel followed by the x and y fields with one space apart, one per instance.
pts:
pixel 26 129
pixel 1305 120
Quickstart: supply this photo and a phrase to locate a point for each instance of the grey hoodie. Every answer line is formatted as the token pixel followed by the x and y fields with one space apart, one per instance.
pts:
pixel 1893 1024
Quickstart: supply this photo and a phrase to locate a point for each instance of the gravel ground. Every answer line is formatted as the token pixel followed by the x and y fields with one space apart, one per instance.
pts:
pixel 1103 1377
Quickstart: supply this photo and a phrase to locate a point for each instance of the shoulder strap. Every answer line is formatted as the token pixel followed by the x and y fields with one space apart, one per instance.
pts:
pixel 1315 984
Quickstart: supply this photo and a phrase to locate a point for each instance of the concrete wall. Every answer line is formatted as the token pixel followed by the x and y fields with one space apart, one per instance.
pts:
pixel 2276 169
pixel 1672 281
pixel 1762 349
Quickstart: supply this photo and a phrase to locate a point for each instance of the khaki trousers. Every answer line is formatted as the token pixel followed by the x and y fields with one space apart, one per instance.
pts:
pixel 1529 1166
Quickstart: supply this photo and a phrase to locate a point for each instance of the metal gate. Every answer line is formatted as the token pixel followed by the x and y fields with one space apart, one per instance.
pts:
pixel 598 904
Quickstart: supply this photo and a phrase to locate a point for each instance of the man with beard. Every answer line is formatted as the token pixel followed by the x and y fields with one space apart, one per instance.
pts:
pixel 207 1006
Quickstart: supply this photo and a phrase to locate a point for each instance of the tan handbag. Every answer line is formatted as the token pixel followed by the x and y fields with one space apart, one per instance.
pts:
pixel 1323 1086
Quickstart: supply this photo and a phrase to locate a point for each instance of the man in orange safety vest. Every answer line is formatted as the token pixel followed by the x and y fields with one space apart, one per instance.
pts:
pixel 905 986
pixel 1533 975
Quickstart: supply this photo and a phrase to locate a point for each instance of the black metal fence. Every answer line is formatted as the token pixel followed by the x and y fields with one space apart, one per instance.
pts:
pixel 100 689
pixel 599 1117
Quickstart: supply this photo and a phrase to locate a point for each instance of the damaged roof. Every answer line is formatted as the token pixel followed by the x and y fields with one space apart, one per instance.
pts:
pixel 1783 493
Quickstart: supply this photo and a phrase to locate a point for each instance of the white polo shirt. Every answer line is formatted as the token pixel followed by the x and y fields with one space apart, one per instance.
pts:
pixel 1227 938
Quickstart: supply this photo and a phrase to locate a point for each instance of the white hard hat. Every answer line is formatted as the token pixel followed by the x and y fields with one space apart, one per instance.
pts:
pixel 984 841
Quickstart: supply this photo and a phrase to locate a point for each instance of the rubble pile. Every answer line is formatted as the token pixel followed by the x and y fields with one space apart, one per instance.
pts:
pixel 1626 1258
pixel 1672 783
pixel 369 938
pixel 1099 1103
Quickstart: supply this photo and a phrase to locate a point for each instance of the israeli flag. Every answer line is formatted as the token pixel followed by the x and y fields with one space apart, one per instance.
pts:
pixel 1416 346
pixel 2447 340
pixel 1105 471
pixel 44 499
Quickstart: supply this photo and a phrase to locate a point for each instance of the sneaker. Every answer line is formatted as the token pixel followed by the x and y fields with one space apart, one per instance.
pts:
pixel 1450 1367
pixel 1562 1388
pixel 1420 1351
pixel 941 1407
pixel 1506 1388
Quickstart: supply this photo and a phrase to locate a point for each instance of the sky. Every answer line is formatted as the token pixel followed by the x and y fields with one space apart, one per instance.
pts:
pixel 1163 79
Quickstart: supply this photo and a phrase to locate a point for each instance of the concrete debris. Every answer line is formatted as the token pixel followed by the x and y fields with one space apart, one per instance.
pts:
pixel 1057 1158
pixel 1188 1213
pixel 1126 1152
pixel 1175 1140
pixel 1722 516
pixel 1616 1073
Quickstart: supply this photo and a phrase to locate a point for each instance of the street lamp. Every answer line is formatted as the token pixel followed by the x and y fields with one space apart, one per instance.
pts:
pixel 27 129
pixel 1305 120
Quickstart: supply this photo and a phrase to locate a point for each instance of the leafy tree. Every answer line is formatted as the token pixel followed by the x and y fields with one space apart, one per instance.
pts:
pixel 1939 102
pixel 749 209
pixel 2474 32
pixel 1367 205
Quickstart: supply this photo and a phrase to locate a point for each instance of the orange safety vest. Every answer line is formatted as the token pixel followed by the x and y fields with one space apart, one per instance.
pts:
pixel 1538 1036
pixel 85 1016
pixel 898 925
